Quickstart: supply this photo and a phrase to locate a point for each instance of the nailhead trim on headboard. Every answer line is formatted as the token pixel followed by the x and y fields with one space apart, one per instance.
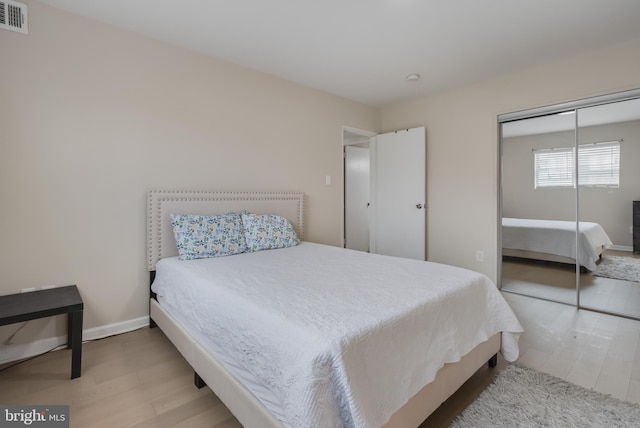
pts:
pixel 212 203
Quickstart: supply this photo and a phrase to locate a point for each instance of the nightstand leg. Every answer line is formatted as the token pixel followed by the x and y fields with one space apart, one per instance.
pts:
pixel 74 341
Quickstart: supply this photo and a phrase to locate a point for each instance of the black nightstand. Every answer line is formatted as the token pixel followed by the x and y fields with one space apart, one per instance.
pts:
pixel 45 303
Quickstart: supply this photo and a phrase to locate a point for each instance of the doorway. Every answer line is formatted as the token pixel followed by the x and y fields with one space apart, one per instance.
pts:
pixel 357 188
pixel 384 193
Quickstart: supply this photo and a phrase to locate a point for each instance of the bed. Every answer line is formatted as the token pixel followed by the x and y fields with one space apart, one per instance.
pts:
pixel 326 353
pixel 554 240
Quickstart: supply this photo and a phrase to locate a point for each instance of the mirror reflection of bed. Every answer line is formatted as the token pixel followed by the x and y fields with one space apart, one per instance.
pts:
pixel 549 246
pixel 541 261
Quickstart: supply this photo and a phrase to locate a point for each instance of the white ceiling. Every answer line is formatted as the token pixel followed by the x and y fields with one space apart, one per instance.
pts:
pixel 364 49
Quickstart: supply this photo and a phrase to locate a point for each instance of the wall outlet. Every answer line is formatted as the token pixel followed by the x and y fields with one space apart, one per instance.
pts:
pixel 479 255
pixel 28 290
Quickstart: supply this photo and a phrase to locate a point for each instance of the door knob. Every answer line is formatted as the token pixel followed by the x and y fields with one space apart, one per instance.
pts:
pixel 419 206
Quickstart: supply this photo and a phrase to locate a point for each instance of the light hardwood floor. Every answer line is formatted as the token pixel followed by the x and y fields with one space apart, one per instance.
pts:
pixel 138 379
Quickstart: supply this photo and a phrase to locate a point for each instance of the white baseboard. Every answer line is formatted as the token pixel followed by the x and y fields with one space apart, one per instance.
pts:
pixel 11 353
pixel 622 248
pixel 117 328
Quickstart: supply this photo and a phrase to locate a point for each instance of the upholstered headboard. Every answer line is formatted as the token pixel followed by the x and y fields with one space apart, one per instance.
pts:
pixel 161 203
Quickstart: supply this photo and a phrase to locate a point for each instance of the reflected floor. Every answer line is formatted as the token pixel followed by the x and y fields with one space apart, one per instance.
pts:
pixel 555 281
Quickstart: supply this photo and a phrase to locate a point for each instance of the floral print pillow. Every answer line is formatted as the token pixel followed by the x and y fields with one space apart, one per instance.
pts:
pixel 200 236
pixel 267 231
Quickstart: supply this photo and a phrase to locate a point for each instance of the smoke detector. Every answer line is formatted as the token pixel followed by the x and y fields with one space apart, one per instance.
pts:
pixel 13 16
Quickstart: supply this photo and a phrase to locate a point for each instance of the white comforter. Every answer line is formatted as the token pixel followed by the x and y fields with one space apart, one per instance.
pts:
pixel 555 237
pixel 343 338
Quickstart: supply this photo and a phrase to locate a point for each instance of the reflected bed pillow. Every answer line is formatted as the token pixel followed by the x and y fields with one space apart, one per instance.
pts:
pixel 202 236
pixel 267 231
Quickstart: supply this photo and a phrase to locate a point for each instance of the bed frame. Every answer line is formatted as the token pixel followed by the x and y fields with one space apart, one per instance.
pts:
pixel 208 371
pixel 546 257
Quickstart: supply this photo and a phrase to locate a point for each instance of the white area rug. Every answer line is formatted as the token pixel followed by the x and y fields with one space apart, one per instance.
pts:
pixel 523 397
pixel 617 267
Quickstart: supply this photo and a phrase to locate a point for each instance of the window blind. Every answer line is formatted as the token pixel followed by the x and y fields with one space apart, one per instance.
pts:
pixel 554 167
pixel 598 166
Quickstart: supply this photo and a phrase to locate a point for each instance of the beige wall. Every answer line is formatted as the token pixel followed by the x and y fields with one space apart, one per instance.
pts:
pixel 93 117
pixel 462 142
pixel 610 207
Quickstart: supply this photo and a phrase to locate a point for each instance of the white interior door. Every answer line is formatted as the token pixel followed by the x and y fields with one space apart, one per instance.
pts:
pixel 357 198
pixel 398 193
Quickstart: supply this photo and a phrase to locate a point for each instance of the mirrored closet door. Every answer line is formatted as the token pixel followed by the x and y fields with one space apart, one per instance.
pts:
pixel 608 184
pixel 539 207
pixel 569 177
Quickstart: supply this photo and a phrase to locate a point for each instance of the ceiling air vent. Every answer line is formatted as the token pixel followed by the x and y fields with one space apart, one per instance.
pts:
pixel 13 16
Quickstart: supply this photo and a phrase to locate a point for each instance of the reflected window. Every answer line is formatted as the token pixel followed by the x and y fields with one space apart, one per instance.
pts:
pixel 598 166
pixel 554 167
